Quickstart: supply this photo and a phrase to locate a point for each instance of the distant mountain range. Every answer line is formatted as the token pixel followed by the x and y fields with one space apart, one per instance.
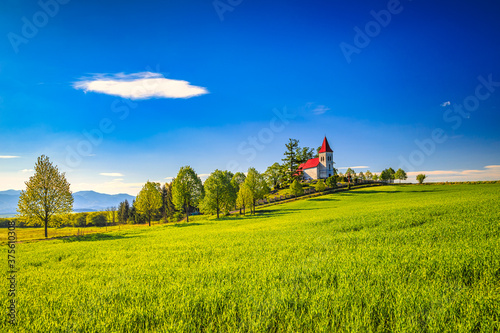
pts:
pixel 85 201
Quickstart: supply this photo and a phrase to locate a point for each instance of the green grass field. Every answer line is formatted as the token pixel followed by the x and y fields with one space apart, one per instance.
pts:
pixel 383 259
pixel 32 234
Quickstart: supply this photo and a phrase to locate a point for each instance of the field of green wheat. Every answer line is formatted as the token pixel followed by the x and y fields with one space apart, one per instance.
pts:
pixel 386 259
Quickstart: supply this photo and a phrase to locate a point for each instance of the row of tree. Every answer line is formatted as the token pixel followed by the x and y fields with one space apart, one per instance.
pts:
pixel 47 192
pixel 222 192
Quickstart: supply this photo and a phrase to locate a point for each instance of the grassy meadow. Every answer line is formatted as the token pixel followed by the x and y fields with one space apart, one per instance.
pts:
pixel 33 234
pixel 385 259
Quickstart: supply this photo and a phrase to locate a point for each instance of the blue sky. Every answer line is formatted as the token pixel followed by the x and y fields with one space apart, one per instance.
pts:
pixel 119 92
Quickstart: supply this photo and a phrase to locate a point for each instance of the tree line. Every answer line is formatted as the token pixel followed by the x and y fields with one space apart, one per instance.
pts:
pixel 48 198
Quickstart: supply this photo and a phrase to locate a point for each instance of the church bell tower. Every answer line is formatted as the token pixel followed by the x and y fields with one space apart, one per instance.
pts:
pixel 325 160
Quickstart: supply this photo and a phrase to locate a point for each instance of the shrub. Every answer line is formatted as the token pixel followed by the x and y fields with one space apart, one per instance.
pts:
pixel 421 178
pixel 296 188
pixel 320 186
pixel 331 181
pixel 79 219
pixel 97 219
pixel 178 216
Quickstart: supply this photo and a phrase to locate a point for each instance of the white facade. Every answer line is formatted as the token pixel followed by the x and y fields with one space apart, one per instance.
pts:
pixel 325 166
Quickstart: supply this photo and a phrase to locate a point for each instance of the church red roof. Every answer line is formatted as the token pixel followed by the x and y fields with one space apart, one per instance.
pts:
pixel 312 163
pixel 325 148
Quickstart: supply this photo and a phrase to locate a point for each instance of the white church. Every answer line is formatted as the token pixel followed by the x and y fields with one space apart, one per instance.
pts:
pixel 320 167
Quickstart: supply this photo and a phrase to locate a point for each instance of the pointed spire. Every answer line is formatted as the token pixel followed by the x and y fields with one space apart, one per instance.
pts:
pixel 325 147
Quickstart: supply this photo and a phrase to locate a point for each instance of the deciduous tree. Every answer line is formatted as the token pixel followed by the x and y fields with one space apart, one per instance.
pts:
pixel 257 185
pixel 387 175
pixel 148 200
pixel 123 211
pixel 187 189
pixel 350 174
pixel 245 198
pixel 421 177
pixel 219 193
pixel 47 193
pixel 274 175
pixel 401 175
pixel 167 207
pixel 97 219
pixel 237 180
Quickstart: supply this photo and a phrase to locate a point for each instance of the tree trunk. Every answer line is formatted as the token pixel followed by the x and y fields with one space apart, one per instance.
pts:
pixel 187 212
pixel 149 219
pixel 217 206
pixel 46 224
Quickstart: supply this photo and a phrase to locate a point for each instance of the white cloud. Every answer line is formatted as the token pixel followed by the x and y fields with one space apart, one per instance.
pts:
pixel 27 170
pixel 320 109
pixel 169 178
pixel 445 104
pixel 489 172
pixel 355 167
pixel 9 156
pixel 142 85
pixel 111 174
pixel 203 176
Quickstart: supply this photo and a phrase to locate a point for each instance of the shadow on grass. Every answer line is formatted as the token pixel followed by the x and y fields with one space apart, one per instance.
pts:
pixel 324 199
pixel 419 190
pixel 183 224
pixel 92 238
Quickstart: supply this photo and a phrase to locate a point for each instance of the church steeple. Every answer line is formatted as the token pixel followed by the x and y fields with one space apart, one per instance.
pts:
pixel 325 167
pixel 325 148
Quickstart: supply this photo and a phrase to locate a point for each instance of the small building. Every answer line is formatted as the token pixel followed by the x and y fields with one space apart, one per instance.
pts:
pixel 320 167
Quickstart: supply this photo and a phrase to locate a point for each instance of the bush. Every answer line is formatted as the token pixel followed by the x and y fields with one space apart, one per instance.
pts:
pixel 320 186
pixel 79 219
pixel 97 219
pixel 331 181
pixel 178 216
pixel 296 188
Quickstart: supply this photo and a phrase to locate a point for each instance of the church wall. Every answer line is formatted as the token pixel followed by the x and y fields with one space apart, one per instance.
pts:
pixel 311 173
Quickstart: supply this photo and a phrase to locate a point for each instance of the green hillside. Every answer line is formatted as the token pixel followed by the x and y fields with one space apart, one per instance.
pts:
pixel 385 259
